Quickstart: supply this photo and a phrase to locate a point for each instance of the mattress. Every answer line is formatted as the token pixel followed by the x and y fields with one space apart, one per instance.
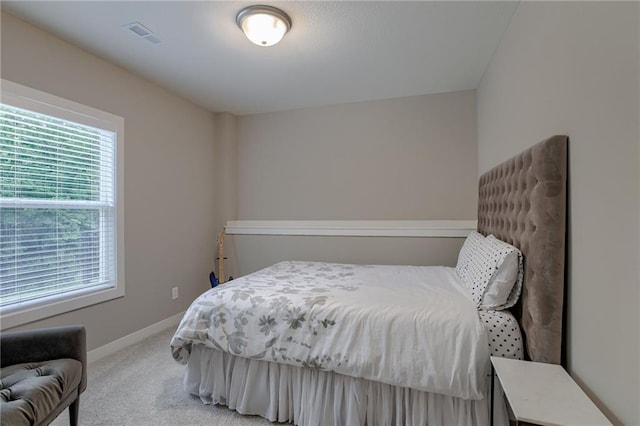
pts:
pixel 414 327
pixel 311 397
pixel 283 393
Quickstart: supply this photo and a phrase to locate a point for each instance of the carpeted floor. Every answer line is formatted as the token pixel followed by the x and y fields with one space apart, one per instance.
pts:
pixel 142 385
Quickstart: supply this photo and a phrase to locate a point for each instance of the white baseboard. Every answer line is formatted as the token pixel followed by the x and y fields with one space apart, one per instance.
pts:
pixel 130 339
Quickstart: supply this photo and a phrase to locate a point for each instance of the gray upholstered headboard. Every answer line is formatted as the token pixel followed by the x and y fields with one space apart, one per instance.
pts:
pixel 523 202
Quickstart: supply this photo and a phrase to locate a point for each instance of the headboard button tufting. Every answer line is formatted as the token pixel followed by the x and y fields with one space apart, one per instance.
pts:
pixel 523 201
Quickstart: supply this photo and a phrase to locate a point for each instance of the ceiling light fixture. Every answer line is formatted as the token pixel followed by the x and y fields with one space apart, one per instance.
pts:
pixel 263 25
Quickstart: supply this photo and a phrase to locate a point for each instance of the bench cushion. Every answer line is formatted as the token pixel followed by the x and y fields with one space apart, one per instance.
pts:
pixel 30 392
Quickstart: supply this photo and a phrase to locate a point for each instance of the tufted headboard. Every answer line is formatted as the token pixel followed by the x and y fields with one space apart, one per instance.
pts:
pixel 523 202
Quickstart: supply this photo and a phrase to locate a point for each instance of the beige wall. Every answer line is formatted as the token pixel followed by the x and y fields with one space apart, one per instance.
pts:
pixel 399 159
pixel 255 252
pixel 170 207
pixel 572 68
pixel 407 158
pixel 226 167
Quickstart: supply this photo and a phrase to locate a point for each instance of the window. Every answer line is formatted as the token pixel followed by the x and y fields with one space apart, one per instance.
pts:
pixel 61 222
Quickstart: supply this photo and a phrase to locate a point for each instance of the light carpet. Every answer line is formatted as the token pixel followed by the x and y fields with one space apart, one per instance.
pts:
pixel 142 385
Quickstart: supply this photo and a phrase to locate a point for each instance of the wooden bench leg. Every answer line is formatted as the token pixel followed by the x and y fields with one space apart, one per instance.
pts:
pixel 74 410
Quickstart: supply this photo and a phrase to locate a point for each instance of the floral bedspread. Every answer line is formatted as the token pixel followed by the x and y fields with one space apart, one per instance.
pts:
pixel 405 326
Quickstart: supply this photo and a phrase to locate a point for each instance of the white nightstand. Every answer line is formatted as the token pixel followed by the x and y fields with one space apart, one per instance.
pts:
pixel 544 394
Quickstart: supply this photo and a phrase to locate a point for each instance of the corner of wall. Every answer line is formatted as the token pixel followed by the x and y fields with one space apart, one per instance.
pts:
pixel 226 185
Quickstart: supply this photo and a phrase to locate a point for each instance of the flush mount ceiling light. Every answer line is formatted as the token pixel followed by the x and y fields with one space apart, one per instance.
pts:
pixel 263 25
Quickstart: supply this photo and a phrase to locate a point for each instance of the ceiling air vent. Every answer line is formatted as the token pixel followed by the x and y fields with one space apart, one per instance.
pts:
pixel 144 32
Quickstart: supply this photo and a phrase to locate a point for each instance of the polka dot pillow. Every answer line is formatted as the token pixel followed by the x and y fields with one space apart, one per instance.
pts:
pixel 465 257
pixel 505 338
pixel 469 264
pixel 489 269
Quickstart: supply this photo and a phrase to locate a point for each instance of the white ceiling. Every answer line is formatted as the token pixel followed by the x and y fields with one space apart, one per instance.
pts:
pixel 336 52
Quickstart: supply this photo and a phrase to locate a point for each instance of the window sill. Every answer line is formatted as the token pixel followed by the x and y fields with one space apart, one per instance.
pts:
pixel 20 314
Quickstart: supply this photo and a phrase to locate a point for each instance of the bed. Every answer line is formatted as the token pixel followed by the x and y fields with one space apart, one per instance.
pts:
pixel 317 343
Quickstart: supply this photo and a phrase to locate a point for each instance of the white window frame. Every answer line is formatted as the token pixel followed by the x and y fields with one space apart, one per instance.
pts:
pixel 40 102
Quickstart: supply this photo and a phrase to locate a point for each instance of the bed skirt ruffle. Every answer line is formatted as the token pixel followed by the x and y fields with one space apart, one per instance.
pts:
pixel 311 397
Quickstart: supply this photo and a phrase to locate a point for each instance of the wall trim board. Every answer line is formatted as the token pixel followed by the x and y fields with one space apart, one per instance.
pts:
pixel 133 338
pixel 354 228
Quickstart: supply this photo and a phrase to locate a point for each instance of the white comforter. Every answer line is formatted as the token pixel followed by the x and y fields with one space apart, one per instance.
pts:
pixel 405 326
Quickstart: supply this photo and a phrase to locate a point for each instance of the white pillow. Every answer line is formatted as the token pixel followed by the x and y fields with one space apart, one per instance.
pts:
pixel 506 284
pixel 489 268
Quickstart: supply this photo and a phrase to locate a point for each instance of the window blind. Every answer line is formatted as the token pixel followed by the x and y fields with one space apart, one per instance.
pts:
pixel 57 207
